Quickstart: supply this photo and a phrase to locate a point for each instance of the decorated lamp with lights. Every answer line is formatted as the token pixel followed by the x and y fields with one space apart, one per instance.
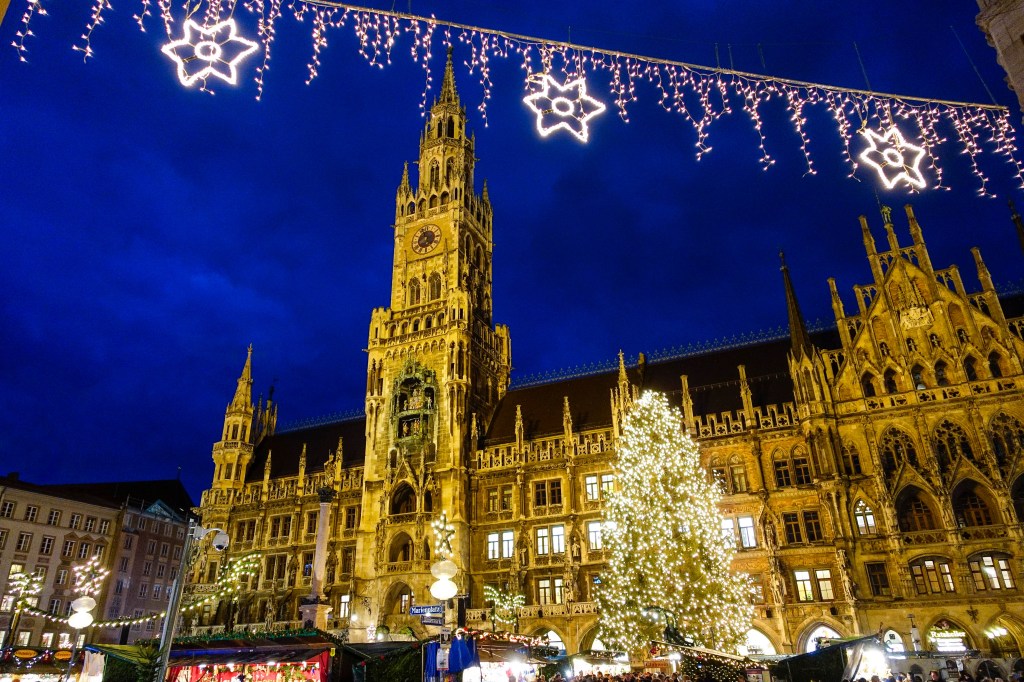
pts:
pixel 444 569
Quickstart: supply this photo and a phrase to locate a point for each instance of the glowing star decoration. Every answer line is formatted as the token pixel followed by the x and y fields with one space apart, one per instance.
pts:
pixel 566 107
pixel 209 51
pixel 893 158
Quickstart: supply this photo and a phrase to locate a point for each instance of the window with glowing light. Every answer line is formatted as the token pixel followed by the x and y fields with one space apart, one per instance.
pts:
pixel 804 587
pixel 932 576
pixel 865 518
pixel 991 572
pixel 748 536
pixel 728 531
pixel 550 591
pixel 344 606
pixel 823 578
pixel 594 540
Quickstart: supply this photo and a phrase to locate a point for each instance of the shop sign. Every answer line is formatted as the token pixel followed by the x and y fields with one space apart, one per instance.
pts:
pixel 63 655
pixel 26 653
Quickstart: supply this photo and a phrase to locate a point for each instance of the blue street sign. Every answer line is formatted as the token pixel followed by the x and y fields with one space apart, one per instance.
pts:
pixel 425 610
pixel 432 620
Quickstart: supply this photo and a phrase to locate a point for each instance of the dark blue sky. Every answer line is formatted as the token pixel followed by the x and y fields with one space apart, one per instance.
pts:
pixel 152 232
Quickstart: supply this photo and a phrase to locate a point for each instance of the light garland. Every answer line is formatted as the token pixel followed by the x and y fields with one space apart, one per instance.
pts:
pixel 504 605
pixel 229 581
pixel 699 94
pixel 663 534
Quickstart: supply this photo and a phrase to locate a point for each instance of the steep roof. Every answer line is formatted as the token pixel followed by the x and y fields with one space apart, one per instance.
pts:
pixel 285 448
pixel 134 494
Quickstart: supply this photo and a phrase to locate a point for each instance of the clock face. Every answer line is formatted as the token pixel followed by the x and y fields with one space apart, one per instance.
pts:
pixel 426 239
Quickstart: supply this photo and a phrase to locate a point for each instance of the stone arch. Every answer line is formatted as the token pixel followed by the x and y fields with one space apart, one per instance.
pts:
pixel 444 198
pixel 403 499
pixel 818 627
pixel 1010 644
pixel 757 637
pixel 914 511
pixel 970 639
pixel 394 602
pixel 401 548
pixel 545 629
pixel 972 505
pixel 1006 434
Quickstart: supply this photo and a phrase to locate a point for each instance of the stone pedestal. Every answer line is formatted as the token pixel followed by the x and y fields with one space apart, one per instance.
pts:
pixel 314 614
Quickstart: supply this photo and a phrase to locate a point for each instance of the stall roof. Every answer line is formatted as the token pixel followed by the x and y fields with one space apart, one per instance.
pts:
pixel 288 649
pixel 836 643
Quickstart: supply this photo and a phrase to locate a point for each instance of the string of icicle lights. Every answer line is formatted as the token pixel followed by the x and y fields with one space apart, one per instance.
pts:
pixel 700 95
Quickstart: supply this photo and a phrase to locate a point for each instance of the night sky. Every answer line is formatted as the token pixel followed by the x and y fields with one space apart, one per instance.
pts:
pixel 151 232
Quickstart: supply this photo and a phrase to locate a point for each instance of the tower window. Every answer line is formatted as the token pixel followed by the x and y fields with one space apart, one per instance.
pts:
pixel 434 287
pixel 414 292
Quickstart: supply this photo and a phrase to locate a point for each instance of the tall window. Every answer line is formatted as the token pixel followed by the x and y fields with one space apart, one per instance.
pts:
pixel 992 573
pixel 594 535
pixel 738 474
pixel 434 287
pixel 823 578
pixel 783 477
pixel 878 579
pixel 865 518
pixel 932 576
pixel 795 470
pixel 951 443
pixel 7 509
pixel 550 591
pixel 1007 436
pixel 812 526
pixel 791 523
pixel 804 587
pixel 31 512
pixel 500 545
pixel 851 458
pixel 895 449
pixel 547 493
pixel 748 537
pixel 915 515
pixel 414 292
pixel 54 518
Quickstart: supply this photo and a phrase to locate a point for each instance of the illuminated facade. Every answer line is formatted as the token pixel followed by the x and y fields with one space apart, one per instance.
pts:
pixel 870 471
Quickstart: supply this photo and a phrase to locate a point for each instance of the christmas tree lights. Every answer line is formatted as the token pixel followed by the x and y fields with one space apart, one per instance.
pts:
pixel 700 95
pixel 505 605
pixel 669 567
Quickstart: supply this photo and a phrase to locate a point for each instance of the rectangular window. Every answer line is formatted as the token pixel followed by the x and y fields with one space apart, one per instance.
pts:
pixel 90 524
pixel 311 522
pixel 46 547
pixel 31 512
pixel 7 603
pixel 823 576
pixel 83 550
pixel 7 509
pixel 507 544
pixel 719 477
pixel 544 595
pixel 607 485
pixel 812 526
pixel 46 640
pixel 54 518
pixel 350 517
pixel 343 606
pixel 307 564
pixel 129 541
pixel 801 471
pixel 140 523
pixel 156 591
pixel 15 569
pixel 547 493
pixel 119 586
pixel 594 540
pixel 493 545
pixel 76 522
pixel 69 549
pixel 123 565
pixel 176 553
pixel 151 547
pixel 62 577
pixel 542 541
pixel 729 531
pixel 55 607
pixel 804 590
pixel 24 542
pixel 3 537
pixel 878 579
pixel 591 488
pixel 506 498
pixel 147 568
pixel 791 522
pixel 161 570
pixel 756 589
pixel 558 539
pixel 748 537
pixel 492 499
pixel 348 560
pixel 782 476
pixel 143 590
pixel 164 549
pixel 105 527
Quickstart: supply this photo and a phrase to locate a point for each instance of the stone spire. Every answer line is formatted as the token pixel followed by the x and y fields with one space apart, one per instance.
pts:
pixel 801 342
pixel 243 393
pixel 448 93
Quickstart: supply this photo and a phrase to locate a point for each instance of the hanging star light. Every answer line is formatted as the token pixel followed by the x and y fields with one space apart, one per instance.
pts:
pixel 443 533
pixel 569 107
pixel 893 158
pixel 206 51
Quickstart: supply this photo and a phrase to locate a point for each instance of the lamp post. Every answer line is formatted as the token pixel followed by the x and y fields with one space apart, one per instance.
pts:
pixel 193 537
pixel 915 635
pixel 444 569
pixel 80 619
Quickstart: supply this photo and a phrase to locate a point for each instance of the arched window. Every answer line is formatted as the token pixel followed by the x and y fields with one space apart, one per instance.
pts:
pixel 435 174
pixel 893 642
pixel 433 201
pixel 951 443
pixel 913 513
pixel 971 368
pixel 449 167
pixel 867 383
pixel 883 349
pixel 818 638
pixel 941 370
pixel 414 292
pixel 911 345
pixel 401 548
pixel 917 373
pixel 995 367
pixel 434 287
pixel 970 509
pixel 890 381
pixel 932 576
pixel 851 458
pixel 1007 436
pixel 895 449
pixel 961 335
pixel 865 518
pixel 404 500
pixel 992 572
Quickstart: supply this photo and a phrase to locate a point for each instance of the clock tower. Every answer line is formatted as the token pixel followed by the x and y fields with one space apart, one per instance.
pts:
pixel 436 367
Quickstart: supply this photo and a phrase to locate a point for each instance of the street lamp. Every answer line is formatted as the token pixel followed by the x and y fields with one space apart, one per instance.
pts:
pixel 444 569
pixel 81 618
pixel 193 537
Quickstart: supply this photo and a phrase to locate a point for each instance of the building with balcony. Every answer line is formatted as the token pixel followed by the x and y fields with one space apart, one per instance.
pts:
pixel 871 471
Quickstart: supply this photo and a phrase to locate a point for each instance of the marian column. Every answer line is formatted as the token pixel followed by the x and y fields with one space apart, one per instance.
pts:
pixel 315 607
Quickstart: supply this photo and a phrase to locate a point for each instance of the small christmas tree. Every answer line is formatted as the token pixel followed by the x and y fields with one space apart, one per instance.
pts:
pixel 669 566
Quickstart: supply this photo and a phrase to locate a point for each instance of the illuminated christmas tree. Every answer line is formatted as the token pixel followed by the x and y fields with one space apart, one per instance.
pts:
pixel 669 567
